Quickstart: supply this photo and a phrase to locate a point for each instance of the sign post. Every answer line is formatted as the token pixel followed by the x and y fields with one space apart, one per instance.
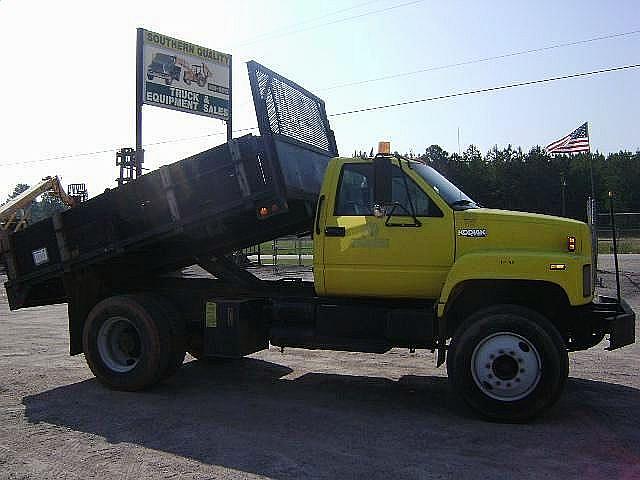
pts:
pixel 230 118
pixel 180 76
pixel 139 157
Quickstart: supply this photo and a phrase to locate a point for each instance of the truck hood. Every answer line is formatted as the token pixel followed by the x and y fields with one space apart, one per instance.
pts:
pixel 488 229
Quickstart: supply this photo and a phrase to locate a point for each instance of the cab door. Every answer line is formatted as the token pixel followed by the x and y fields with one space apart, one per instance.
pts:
pixel 397 255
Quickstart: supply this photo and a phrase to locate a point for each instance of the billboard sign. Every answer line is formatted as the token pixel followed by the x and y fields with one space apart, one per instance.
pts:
pixel 184 77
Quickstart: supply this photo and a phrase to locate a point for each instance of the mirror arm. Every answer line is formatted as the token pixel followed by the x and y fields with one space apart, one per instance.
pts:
pixel 387 222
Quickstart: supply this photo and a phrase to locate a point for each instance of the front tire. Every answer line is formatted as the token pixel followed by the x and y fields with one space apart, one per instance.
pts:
pixel 508 363
pixel 127 342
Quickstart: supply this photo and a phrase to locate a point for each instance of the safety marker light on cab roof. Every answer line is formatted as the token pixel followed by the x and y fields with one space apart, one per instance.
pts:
pixel 384 148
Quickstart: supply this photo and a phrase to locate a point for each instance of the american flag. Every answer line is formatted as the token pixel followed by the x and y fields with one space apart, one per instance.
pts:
pixel 576 141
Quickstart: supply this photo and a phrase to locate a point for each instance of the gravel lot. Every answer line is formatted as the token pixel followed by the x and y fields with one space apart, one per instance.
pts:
pixel 303 414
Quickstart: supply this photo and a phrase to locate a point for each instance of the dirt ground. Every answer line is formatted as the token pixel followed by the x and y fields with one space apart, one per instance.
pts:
pixel 303 414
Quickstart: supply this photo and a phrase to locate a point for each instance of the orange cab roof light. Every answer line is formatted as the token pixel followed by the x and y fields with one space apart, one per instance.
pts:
pixel 384 148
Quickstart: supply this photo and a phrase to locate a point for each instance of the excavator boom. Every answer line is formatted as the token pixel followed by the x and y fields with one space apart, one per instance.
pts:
pixel 9 211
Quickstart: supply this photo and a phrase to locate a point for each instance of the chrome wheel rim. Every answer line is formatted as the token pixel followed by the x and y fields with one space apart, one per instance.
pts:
pixel 506 366
pixel 119 344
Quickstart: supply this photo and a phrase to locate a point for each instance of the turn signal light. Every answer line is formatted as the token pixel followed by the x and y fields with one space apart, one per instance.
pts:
pixel 264 211
pixel 571 244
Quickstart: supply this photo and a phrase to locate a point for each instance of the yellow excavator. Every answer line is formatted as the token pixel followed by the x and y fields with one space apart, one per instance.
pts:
pixel 15 214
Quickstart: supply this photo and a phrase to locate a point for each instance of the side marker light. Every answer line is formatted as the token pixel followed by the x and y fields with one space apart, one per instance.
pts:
pixel 557 266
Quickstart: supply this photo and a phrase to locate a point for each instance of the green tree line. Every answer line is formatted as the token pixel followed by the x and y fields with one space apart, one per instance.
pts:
pixel 531 181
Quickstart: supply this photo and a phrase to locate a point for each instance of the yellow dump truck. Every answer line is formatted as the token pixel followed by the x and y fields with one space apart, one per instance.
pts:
pixel 402 258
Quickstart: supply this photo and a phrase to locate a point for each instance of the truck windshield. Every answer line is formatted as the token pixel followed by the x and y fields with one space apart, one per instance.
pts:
pixel 451 194
pixel 162 58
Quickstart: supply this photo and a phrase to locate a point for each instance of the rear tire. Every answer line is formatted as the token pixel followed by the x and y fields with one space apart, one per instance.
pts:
pixel 128 343
pixel 178 340
pixel 508 363
pixel 175 363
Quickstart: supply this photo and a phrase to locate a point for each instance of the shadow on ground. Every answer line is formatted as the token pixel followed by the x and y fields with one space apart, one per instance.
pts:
pixel 244 415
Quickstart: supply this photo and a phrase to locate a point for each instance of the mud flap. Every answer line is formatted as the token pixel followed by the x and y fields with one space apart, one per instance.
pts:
pixel 622 327
pixel 441 339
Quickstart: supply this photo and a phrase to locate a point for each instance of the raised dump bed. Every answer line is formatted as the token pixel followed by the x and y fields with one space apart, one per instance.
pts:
pixel 238 194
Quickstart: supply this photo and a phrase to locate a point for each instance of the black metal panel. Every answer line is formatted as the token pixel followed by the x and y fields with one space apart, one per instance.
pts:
pixel 294 125
pixel 234 328
pixel 203 204
pixel 302 170
pixel 289 112
pixel 38 237
pixel 351 321
pixel 352 324
pixel 411 326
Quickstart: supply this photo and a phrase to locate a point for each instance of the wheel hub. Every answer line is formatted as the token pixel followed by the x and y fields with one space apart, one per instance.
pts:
pixel 506 366
pixel 119 344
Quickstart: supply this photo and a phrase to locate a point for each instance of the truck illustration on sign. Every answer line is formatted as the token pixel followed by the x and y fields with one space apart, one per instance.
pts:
pixel 164 66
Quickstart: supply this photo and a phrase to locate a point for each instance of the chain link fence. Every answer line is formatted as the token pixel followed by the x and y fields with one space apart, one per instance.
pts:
pixel 284 251
pixel 627 232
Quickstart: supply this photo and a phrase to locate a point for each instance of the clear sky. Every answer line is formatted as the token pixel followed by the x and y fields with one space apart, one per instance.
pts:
pixel 68 75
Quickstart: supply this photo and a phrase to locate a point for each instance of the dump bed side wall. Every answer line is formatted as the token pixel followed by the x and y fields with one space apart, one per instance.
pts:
pixel 201 206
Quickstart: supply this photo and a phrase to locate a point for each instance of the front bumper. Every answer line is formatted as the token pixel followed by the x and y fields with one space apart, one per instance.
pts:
pixel 617 319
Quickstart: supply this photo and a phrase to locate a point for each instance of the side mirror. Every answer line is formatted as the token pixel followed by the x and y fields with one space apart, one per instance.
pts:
pixel 382 181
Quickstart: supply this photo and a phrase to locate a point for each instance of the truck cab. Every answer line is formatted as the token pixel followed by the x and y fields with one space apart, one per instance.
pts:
pixel 505 294
pixel 429 237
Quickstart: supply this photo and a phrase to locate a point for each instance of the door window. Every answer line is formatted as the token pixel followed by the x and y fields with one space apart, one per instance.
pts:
pixel 404 191
pixel 355 194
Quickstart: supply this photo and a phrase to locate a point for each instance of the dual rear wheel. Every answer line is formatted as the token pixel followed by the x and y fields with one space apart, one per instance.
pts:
pixel 133 341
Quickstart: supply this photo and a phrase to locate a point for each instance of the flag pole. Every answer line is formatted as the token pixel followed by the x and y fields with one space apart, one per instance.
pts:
pixel 593 189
